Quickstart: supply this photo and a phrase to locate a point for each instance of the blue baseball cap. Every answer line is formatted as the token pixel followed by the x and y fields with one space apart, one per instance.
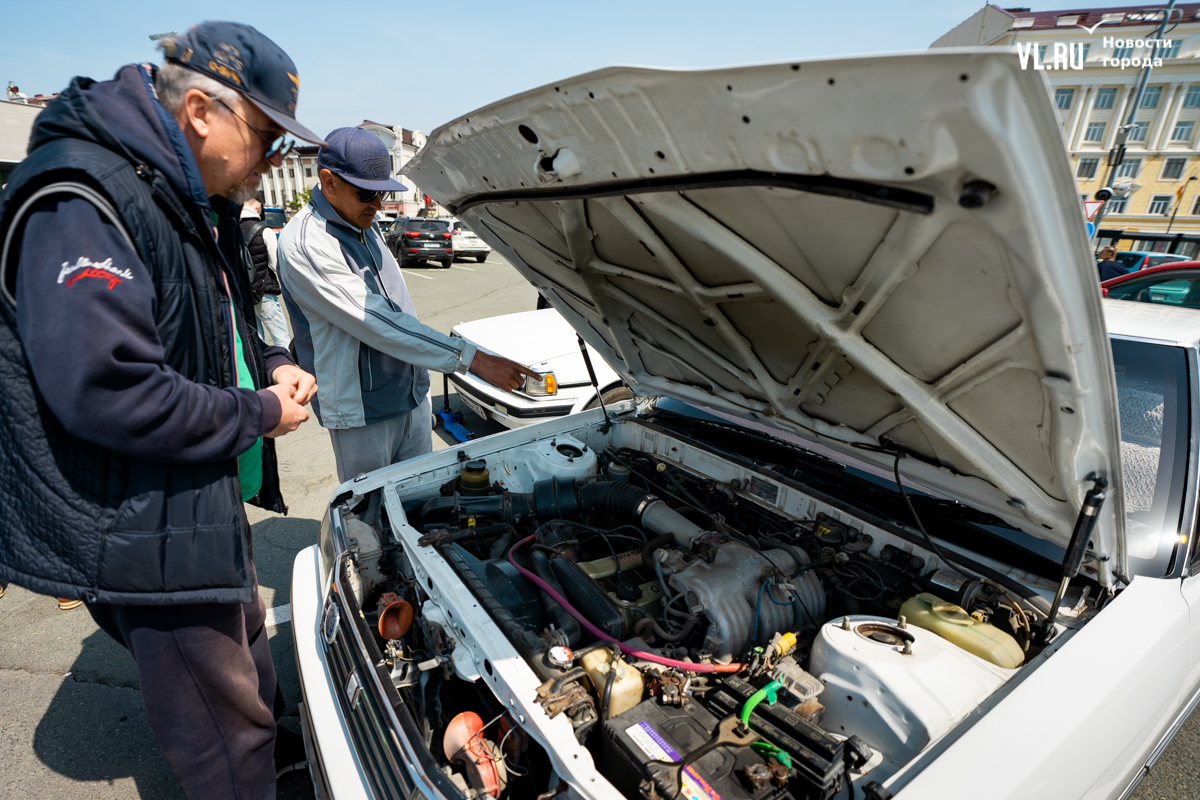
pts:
pixel 248 62
pixel 358 157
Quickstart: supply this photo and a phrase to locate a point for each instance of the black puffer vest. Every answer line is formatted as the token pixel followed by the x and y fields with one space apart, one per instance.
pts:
pixel 262 277
pixel 78 520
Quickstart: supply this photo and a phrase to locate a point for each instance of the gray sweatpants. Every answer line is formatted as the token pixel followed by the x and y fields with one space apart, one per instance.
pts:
pixel 360 450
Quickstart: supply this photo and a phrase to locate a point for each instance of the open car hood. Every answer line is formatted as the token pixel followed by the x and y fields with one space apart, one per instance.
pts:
pixel 873 253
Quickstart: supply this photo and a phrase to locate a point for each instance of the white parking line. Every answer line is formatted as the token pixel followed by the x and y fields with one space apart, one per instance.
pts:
pixel 456 266
pixel 419 275
pixel 278 615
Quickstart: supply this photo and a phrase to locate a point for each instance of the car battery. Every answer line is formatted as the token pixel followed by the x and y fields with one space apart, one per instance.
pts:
pixel 817 757
pixel 650 732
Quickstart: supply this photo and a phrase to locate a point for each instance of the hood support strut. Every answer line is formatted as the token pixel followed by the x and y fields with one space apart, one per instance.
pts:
pixel 1085 523
pixel 587 361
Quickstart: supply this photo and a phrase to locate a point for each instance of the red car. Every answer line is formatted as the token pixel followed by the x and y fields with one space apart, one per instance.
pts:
pixel 1174 284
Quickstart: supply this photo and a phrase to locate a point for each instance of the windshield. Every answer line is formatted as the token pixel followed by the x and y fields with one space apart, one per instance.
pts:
pixel 274 217
pixel 427 225
pixel 1152 394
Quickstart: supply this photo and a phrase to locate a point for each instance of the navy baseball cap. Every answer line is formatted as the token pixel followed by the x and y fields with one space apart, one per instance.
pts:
pixel 358 157
pixel 244 60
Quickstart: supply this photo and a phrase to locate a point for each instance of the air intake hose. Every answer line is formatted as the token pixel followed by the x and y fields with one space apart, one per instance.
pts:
pixel 561 498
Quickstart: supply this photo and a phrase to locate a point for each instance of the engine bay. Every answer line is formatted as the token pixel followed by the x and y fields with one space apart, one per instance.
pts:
pixel 697 628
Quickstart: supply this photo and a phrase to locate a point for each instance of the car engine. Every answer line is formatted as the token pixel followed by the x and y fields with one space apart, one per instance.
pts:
pixel 700 643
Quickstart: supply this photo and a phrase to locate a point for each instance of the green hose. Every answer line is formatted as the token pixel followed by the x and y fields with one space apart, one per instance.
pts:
pixel 765 749
pixel 767 693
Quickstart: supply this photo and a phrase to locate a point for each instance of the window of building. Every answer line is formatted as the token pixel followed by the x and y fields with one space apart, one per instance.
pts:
pixel 1151 96
pixel 1095 132
pixel 1087 168
pixel 1042 52
pixel 279 171
pixel 1067 21
pixel 1159 204
pixel 1105 98
pixel 1116 205
pixel 1192 98
pixel 1023 22
pixel 1111 19
pixel 1172 51
pixel 1086 47
pixel 1138 134
pixel 308 172
pixel 291 172
pixel 1173 169
pixel 1063 98
pixel 1196 206
pixel 1122 52
pixel 1129 168
pixel 273 200
pixel 1183 131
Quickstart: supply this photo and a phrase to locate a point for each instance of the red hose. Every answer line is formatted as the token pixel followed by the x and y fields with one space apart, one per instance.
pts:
pixel 599 634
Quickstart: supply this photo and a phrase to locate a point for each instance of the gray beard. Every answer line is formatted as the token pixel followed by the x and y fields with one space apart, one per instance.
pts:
pixel 243 191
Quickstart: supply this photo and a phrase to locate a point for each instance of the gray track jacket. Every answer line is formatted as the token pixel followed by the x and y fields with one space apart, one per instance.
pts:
pixel 355 326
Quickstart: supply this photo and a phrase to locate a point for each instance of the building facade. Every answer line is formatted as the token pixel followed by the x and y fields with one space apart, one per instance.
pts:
pixel 1092 59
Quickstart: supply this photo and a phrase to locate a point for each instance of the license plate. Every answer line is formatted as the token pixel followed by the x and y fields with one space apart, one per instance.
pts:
pixel 430 245
pixel 471 404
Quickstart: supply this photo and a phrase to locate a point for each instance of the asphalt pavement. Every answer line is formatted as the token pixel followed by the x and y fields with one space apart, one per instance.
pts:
pixel 71 718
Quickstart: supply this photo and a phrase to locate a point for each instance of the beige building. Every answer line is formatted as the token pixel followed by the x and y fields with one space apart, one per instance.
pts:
pixel 1092 59
pixel 16 123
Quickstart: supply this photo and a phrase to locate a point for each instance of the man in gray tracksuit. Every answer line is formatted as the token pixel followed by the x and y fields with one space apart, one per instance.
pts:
pixel 353 320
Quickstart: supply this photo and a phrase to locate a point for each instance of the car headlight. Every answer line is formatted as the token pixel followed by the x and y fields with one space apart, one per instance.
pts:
pixel 541 385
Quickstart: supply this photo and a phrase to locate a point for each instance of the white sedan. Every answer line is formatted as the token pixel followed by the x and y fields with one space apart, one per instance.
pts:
pixel 930 536
pixel 546 342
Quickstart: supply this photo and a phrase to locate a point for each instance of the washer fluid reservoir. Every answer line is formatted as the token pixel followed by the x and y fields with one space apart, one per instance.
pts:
pixel 955 625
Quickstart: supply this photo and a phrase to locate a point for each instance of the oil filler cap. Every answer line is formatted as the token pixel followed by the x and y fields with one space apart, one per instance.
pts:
pixel 628 591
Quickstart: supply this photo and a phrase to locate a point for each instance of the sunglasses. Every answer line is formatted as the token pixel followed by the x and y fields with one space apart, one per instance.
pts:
pixel 364 195
pixel 279 146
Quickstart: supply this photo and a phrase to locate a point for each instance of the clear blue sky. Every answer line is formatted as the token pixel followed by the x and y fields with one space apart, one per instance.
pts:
pixel 422 64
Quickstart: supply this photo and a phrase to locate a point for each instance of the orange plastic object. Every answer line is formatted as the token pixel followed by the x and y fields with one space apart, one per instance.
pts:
pixel 464 743
pixel 395 616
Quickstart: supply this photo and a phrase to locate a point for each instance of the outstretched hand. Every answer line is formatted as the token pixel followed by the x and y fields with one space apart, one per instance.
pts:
pixel 499 371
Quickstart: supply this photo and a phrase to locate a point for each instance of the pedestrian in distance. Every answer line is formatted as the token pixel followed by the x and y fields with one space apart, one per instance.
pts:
pixel 138 406
pixel 355 325
pixel 261 247
pixel 1108 266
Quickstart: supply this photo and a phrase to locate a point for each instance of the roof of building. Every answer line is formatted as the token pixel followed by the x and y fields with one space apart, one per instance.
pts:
pixel 1106 18
pixel 405 133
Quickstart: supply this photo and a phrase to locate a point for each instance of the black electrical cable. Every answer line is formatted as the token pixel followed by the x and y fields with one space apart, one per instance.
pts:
pixel 921 528
pixel 608 684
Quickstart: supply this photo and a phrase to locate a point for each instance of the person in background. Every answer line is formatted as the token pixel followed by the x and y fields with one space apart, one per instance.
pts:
pixel 262 245
pixel 138 405
pixel 355 325
pixel 1108 266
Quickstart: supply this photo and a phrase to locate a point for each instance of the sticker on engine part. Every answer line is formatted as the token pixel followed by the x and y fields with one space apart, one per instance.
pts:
pixel 947 580
pixel 656 747
pixel 767 491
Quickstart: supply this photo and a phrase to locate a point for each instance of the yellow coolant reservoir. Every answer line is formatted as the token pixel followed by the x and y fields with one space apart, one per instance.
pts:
pixel 955 625
pixel 627 685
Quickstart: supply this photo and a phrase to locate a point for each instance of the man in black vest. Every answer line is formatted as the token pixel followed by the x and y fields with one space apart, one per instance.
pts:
pixel 262 245
pixel 138 406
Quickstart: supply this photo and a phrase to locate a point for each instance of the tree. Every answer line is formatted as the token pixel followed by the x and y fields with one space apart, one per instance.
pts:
pixel 299 200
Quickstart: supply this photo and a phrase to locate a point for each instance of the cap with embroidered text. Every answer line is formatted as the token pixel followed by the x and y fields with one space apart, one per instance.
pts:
pixel 243 59
pixel 358 157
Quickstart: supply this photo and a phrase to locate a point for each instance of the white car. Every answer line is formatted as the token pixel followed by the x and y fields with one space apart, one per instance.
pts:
pixel 466 244
pixel 932 537
pixel 547 343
